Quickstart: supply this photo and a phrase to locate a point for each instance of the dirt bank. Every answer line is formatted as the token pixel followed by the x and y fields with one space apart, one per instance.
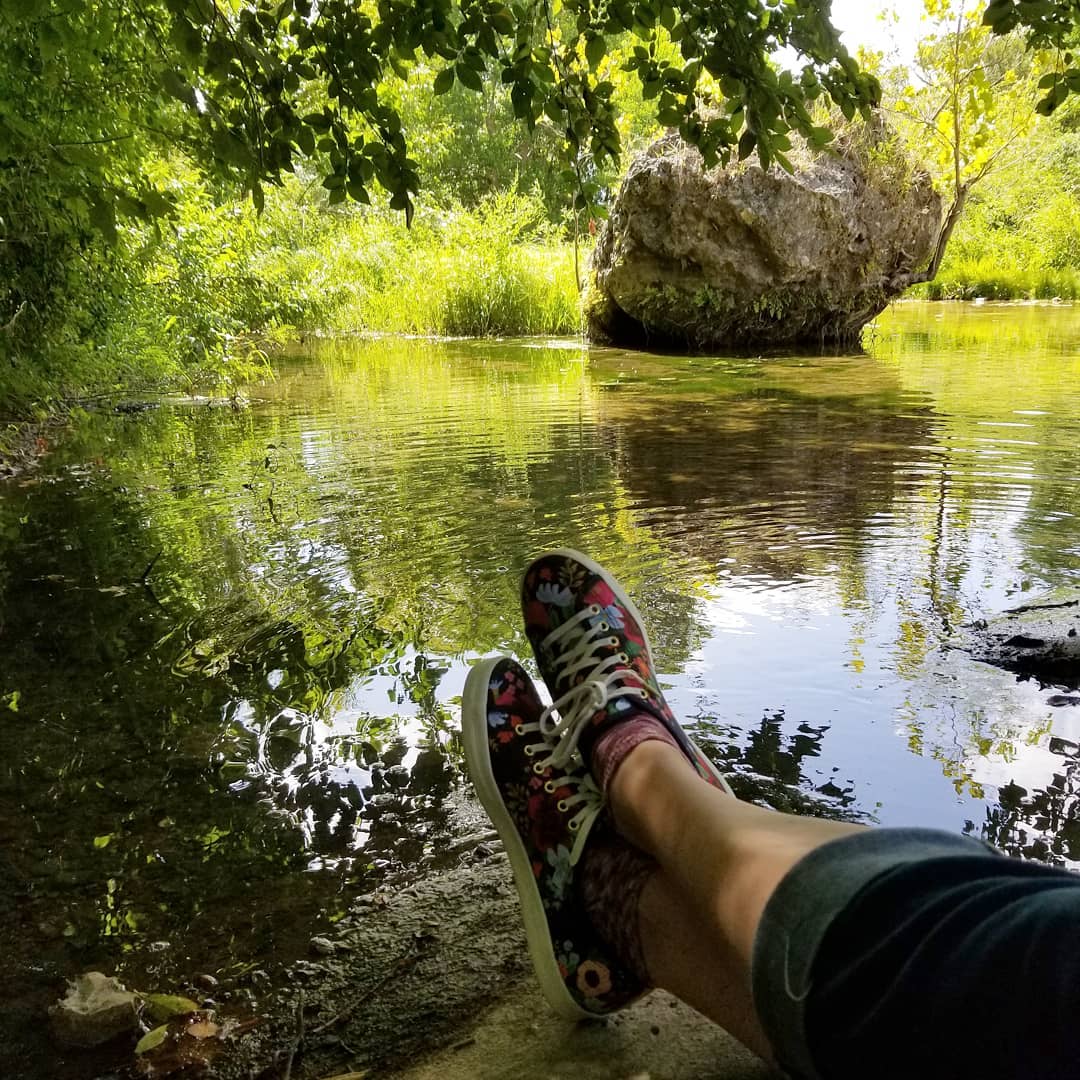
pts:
pixel 433 982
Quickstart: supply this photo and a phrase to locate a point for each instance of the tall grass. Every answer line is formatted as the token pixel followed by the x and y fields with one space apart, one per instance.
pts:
pixel 201 303
pixel 987 278
pixel 497 270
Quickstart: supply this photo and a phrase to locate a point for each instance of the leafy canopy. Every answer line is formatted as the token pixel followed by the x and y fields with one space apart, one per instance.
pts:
pixel 1047 24
pixel 251 86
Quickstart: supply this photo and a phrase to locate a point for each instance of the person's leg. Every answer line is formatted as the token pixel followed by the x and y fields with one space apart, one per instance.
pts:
pixel 847 950
pixel 863 949
pixel 698 967
pixel 725 855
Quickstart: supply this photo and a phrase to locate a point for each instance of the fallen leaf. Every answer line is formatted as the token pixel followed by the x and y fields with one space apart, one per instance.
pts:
pixel 203 1029
pixel 154 1037
pixel 162 1006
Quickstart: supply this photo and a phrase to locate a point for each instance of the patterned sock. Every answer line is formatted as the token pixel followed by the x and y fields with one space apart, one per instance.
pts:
pixel 612 875
pixel 611 748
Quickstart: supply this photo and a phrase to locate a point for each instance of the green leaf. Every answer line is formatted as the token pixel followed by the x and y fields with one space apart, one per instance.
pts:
pixel 154 1037
pixel 103 217
pixel 102 841
pixel 468 77
pixel 231 149
pixel 164 1006
pixel 502 21
pixel 595 51
pixel 443 81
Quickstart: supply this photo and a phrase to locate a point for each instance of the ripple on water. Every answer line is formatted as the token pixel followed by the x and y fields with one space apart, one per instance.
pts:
pixel 239 640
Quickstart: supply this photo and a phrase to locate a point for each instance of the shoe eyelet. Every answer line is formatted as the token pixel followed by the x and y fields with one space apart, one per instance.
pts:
pixel 604 626
pixel 530 750
pixel 549 786
pixel 573 825
pixel 594 609
pixel 613 641
pixel 518 730
pixel 538 768
pixel 624 658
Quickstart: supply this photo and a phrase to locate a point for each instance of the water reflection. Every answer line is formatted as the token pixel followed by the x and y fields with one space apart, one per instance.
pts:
pixel 239 639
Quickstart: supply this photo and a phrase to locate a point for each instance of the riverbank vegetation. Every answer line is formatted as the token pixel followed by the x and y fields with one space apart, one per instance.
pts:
pixel 186 186
pixel 1003 147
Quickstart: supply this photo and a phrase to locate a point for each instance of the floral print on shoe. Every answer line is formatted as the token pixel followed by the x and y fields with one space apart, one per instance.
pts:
pixel 544 813
pixel 593 652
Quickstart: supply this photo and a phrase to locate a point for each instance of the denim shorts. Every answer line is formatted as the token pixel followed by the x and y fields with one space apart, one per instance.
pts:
pixel 913 953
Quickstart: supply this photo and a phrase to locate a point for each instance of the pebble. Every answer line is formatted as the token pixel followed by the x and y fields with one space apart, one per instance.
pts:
pixel 323 946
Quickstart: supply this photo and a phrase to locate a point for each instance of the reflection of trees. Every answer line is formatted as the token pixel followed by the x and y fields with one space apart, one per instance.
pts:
pixel 767 766
pixel 123 817
pixel 984 364
pixel 763 470
pixel 187 621
pixel 1043 824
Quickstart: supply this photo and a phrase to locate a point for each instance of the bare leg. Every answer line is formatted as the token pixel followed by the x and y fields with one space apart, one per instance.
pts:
pixel 720 861
pixel 700 968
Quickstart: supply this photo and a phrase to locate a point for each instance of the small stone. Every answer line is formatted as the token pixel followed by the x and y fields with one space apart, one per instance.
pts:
pixel 398 776
pixel 323 946
pixel 205 982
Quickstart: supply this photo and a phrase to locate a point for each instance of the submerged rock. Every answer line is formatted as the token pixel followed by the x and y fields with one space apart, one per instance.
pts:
pixel 96 1008
pixel 1039 641
pixel 738 256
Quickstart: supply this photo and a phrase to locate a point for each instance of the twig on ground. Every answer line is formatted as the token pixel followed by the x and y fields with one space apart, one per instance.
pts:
pixel 298 1038
pixel 399 966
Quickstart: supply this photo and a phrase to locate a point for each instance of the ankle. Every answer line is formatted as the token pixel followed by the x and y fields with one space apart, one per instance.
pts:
pixel 619 741
pixel 635 793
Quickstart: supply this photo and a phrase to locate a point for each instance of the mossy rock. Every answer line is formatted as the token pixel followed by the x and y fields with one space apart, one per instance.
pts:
pixel 741 257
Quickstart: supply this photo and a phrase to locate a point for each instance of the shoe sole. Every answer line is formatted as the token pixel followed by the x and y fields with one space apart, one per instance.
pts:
pixel 474 732
pixel 624 599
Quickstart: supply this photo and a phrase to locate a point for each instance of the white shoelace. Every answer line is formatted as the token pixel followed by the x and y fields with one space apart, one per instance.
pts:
pixel 563 721
pixel 587 795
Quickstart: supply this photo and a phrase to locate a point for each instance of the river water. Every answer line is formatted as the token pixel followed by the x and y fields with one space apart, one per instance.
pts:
pixel 233 639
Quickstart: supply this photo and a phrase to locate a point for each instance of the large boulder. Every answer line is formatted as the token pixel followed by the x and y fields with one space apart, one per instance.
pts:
pixel 738 256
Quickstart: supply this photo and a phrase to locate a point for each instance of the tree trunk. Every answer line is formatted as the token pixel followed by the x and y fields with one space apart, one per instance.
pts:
pixel 947 226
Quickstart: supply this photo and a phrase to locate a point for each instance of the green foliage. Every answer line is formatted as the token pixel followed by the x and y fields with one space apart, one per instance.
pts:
pixel 970 95
pixel 1045 24
pixel 253 87
pixel 1019 237
pixel 94 96
pixel 498 269
pixel 964 106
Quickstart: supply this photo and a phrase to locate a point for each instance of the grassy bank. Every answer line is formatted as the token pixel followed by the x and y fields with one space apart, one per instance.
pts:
pixel 205 306
pixel 498 270
pixel 988 279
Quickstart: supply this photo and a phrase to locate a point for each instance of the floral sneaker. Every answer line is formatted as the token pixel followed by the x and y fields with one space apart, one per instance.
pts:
pixel 544 814
pixel 593 651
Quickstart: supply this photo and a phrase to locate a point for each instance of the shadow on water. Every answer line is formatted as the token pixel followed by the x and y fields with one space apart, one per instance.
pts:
pixel 234 641
pixel 166 805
